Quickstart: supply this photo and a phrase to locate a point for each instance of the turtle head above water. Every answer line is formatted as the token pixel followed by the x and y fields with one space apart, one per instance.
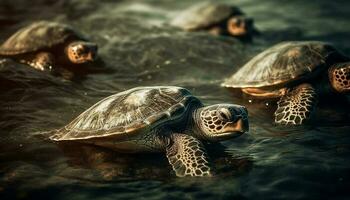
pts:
pixel 221 121
pixel 81 52
pixel 240 26
pixel 339 76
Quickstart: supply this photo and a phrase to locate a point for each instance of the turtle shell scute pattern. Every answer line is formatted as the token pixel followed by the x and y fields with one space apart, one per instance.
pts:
pixel 37 36
pixel 283 63
pixel 129 112
pixel 204 15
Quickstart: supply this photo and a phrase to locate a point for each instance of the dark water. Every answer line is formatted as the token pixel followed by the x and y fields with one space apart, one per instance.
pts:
pixel 139 49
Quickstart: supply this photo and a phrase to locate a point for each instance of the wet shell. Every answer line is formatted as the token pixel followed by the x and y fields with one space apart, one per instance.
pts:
pixel 129 112
pixel 204 15
pixel 285 62
pixel 37 36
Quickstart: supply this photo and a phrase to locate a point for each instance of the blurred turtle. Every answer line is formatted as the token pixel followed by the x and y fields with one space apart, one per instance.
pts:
pixel 45 44
pixel 218 19
pixel 297 73
pixel 157 119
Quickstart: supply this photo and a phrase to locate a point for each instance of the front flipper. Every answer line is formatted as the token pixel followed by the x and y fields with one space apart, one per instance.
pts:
pixel 297 106
pixel 42 61
pixel 187 156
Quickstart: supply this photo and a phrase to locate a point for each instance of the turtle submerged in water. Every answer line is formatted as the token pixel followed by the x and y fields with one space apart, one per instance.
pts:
pixel 45 44
pixel 218 19
pixel 158 119
pixel 298 73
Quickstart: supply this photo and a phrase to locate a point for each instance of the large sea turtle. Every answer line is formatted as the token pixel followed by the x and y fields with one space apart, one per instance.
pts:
pixel 218 19
pixel 44 44
pixel 158 119
pixel 297 73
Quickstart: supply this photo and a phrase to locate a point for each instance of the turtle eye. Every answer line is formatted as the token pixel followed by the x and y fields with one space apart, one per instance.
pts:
pixel 224 114
pixel 76 50
pixel 80 49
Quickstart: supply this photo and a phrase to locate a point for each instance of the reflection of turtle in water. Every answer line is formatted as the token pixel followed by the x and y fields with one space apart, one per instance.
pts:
pixel 218 19
pixel 297 73
pixel 44 44
pixel 157 119
pixel 111 165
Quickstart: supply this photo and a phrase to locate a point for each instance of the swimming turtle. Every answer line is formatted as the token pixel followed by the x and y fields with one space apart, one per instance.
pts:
pixel 296 72
pixel 218 19
pixel 157 119
pixel 43 44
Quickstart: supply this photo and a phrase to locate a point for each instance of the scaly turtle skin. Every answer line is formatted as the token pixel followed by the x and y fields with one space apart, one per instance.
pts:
pixel 218 19
pixel 297 73
pixel 44 44
pixel 158 119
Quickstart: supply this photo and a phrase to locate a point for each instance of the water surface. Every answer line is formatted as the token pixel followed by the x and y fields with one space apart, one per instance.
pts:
pixel 138 49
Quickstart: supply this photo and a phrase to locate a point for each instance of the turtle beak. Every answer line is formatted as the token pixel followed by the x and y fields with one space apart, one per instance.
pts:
pixel 91 57
pixel 239 124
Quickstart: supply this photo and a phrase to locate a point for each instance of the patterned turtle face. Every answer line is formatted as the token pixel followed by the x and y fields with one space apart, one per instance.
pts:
pixel 240 26
pixel 222 121
pixel 339 76
pixel 82 52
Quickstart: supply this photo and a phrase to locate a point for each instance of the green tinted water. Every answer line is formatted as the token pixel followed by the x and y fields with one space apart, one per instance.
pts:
pixel 140 49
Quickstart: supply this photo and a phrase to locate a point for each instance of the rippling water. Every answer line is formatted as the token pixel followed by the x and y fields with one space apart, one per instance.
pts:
pixel 139 48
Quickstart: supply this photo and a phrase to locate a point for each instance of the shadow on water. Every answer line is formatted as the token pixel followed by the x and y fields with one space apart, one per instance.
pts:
pixel 139 48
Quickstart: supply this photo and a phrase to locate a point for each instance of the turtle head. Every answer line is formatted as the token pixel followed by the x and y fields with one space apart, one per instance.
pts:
pixel 81 52
pixel 339 76
pixel 240 26
pixel 221 121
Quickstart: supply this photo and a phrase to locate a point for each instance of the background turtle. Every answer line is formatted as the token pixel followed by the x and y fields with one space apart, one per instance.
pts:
pixel 297 73
pixel 157 119
pixel 44 44
pixel 218 19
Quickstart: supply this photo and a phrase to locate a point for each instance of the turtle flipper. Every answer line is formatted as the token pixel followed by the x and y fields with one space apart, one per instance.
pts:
pixel 296 106
pixel 187 156
pixel 42 61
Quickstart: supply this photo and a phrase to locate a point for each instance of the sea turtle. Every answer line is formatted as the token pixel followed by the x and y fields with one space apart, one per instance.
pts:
pixel 296 72
pixel 157 119
pixel 44 44
pixel 218 19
